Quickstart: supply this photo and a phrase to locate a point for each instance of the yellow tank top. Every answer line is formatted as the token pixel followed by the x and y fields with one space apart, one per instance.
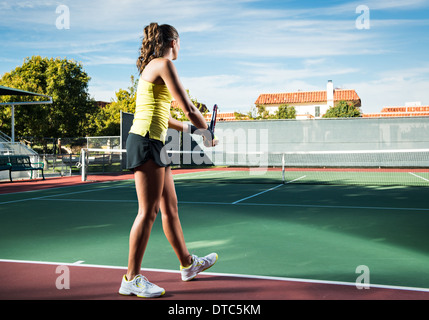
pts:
pixel 153 104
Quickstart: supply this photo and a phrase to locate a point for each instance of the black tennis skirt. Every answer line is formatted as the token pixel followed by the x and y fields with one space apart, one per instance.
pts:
pixel 140 149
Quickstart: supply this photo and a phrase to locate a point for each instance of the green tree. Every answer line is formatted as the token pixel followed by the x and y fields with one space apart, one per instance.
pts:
pixel 343 109
pixel 285 112
pixel 260 112
pixel 177 112
pixel 66 82
pixel 241 116
pixel 108 121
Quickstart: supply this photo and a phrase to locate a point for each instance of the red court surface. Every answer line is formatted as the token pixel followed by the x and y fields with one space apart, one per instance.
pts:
pixel 57 182
pixel 33 281
pixel 38 184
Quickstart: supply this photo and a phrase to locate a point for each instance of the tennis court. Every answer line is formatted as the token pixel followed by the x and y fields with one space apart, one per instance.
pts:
pixel 275 240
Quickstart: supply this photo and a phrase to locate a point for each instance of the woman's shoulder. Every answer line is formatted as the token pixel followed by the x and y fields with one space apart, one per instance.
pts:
pixel 157 69
pixel 160 66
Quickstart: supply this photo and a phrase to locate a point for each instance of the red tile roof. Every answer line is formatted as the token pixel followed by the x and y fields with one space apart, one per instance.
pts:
pixel 306 97
pixel 406 109
pixel 222 116
pixel 395 114
pixel 419 111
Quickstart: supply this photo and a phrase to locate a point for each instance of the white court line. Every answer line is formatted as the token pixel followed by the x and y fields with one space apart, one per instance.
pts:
pixel 87 200
pixel 61 187
pixel 332 207
pixel 197 174
pixel 231 275
pixel 238 201
pixel 255 195
pixel 253 204
pixel 60 194
pixel 292 181
pixel 416 175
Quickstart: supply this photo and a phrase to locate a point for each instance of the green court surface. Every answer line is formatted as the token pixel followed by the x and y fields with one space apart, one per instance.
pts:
pixel 317 232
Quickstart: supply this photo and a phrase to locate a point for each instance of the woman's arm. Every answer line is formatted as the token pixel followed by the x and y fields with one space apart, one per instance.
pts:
pixel 178 125
pixel 184 127
pixel 171 79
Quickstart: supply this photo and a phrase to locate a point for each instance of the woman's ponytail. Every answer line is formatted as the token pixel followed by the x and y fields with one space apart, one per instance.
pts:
pixel 156 39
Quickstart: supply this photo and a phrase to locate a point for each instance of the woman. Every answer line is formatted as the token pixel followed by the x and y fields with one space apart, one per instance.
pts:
pixel 158 84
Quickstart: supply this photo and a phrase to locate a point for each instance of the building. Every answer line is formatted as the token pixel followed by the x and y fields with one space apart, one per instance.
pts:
pixel 309 104
pixel 221 116
pixel 411 109
pixel 102 104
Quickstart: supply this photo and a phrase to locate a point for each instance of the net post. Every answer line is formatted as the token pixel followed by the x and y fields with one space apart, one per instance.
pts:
pixel 283 168
pixel 83 164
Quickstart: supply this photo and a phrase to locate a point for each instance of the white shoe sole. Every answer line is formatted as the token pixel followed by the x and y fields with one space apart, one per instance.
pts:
pixel 193 276
pixel 124 292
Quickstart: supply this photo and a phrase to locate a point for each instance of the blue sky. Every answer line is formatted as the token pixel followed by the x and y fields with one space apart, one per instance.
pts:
pixel 234 50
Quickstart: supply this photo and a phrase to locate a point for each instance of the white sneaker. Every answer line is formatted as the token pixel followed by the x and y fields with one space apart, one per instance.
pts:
pixel 198 265
pixel 141 287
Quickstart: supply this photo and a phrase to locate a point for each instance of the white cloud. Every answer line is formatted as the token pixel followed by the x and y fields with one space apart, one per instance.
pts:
pixel 348 8
pixel 241 49
pixel 394 4
pixel 393 88
pixel 102 89
pixel 108 60
pixel 224 90
pixel 271 73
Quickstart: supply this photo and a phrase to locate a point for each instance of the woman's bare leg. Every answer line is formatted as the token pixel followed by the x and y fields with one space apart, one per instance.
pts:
pixel 149 180
pixel 171 222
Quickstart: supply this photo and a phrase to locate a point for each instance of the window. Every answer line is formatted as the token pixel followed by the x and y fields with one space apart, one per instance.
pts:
pixel 317 112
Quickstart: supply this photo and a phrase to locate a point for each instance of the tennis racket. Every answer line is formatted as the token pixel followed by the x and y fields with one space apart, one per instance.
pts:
pixel 214 116
pixel 212 126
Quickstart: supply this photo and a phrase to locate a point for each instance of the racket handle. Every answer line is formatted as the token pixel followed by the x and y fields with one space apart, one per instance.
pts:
pixel 201 132
pixel 192 129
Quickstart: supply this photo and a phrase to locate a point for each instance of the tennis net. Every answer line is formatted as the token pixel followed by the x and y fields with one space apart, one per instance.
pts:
pixel 355 167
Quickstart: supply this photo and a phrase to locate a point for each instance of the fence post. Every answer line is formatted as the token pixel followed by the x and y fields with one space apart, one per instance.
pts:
pixel 83 164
